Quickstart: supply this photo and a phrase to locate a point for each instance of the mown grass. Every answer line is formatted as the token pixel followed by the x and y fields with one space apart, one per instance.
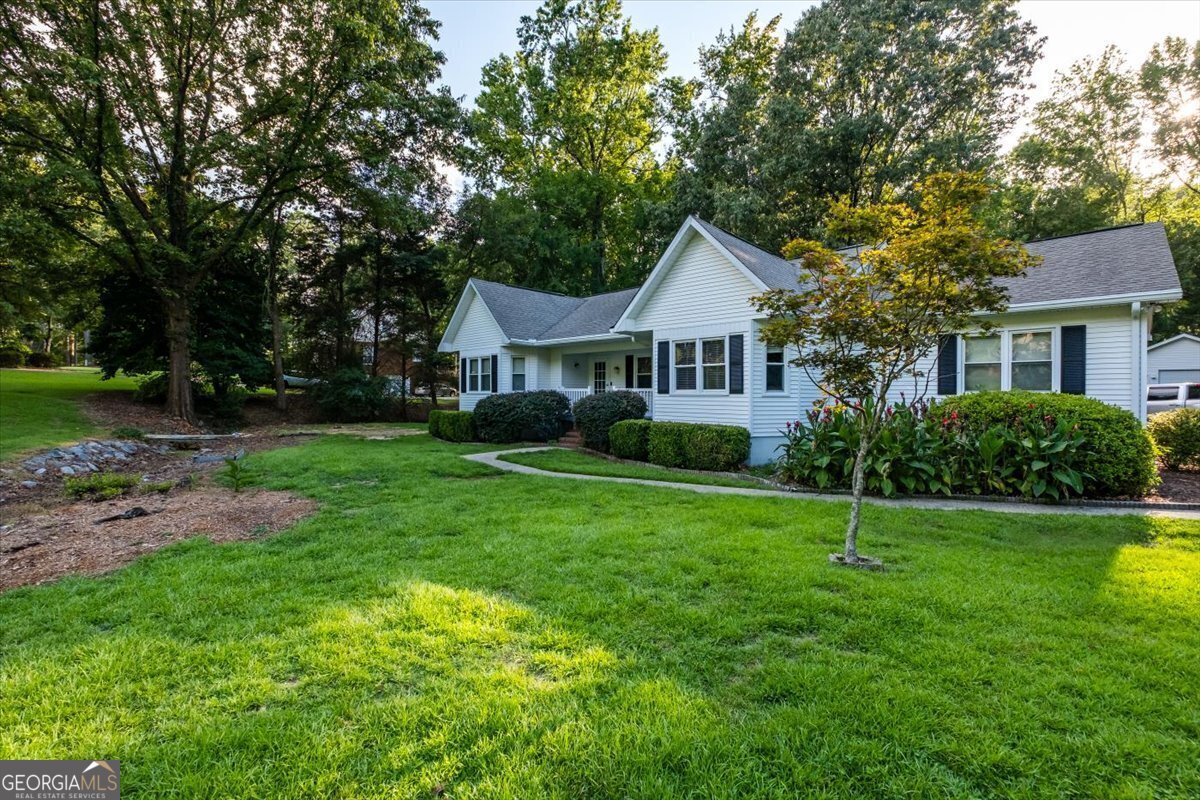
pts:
pixel 572 461
pixel 438 626
pixel 40 408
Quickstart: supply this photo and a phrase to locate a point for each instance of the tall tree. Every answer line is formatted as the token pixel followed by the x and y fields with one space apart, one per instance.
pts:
pixel 1078 167
pixel 865 98
pixel 861 325
pixel 1170 83
pixel 160 118
pixel 568 124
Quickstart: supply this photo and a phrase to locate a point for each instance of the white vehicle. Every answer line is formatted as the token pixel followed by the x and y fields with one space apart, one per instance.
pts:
pixel 1170 396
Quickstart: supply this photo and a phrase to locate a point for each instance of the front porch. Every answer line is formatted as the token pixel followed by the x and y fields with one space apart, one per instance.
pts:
pixel 594 371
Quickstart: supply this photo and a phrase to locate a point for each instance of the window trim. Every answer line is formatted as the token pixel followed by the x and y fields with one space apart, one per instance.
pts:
pixel 475 373
pixel 698 364
pixel 1006 362
pixel 768 364
pixel 675 367
pixel 513 373
pixel 723 363
pixel 649 373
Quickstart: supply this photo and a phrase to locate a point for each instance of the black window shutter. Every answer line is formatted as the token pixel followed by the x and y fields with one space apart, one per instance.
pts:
pixel 947 381
pixel 737 382
pixel 495 374
pixel 629 376
pixel 1073 375
pixel 462 375
pixel 664 368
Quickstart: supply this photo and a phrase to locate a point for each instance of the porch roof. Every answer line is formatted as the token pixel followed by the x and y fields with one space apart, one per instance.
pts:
pixel 532 316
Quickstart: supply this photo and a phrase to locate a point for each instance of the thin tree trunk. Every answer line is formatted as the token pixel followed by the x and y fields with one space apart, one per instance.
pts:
pixel 281 402
pixel 180 403
pixel 857 486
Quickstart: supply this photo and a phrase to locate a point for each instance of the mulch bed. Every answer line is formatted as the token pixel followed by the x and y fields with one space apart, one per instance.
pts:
pixel 1177 487
pixel 68 540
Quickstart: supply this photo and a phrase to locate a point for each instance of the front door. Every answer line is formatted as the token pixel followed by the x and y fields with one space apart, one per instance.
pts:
pixel 599 376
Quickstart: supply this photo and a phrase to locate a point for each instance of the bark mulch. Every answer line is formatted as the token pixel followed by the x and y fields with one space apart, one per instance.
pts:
pixel 68 539
pixel 1177 487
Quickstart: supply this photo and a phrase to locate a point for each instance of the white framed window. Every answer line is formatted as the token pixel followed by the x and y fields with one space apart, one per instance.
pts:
pixel 485 374
pixel 1014 359
pixel 685 365
pixel 982 362
pixel 518 373
pixel 472 374
pixel 1032 366
pixel 645 372
pixel 712 352
pixel 775 365
pixel 368 354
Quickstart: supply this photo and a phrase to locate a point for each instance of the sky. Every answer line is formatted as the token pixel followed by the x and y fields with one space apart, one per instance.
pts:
pixel 475 31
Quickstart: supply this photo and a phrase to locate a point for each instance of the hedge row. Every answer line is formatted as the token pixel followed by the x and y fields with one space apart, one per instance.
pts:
pixel 681 444
pixel 1118 457
pixel 452 426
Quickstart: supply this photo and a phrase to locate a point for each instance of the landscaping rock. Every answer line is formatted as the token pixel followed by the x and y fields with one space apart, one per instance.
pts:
pixel 89 456
pixel 30 484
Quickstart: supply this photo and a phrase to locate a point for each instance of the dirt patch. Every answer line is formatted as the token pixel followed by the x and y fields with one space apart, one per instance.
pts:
pixel 67 539
pixel 1177 487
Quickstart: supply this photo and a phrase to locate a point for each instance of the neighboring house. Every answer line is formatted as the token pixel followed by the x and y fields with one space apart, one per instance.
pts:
pixel 687 340
pixel 1174 360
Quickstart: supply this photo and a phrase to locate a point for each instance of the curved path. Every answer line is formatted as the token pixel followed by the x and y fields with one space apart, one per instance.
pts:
pixel 492 459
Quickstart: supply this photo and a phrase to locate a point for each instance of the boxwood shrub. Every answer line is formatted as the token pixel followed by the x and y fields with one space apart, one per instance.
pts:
pixel 1177 434
pixel 596 413
pixel 697 446
pixel 521 416
pixel 629 438
pixel 452 426
pixel 1118 454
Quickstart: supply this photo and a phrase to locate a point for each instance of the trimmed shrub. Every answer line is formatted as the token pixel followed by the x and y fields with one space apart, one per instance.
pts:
pixel 1177 434
pixel 452 426
pixel 697 446
pixel 629 439
pixel 351 395
pixel 596 413
pixel 517 416
pixel 1118 454
pixel 42 360
pixel 13 355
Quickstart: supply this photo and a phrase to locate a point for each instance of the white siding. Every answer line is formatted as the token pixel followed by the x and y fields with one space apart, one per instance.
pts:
pixel 705 406
pixel 1111 335
pixel 773 410
pixel 479 335
pixel 700 286
pixel 1180 358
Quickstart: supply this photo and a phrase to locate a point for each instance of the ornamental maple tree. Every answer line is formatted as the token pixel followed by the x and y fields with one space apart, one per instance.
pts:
pixel 864 321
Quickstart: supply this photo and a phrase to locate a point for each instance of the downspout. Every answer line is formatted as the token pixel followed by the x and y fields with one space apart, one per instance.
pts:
pixel 1138 333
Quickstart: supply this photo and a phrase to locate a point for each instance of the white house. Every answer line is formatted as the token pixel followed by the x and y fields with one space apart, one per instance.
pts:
pixel 1174 360
pixel 687 339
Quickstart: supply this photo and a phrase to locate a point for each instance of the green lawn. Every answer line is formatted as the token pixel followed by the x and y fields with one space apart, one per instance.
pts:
pixel 585 464
pixel 40 408
pixel 439 624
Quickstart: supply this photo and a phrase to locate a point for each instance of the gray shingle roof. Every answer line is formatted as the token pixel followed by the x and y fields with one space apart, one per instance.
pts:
pixel 1131 259
pixel 1128 260
pixel 527 314
pixel 775 271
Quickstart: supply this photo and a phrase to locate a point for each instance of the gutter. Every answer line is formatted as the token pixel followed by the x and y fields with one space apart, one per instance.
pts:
pixel 596 337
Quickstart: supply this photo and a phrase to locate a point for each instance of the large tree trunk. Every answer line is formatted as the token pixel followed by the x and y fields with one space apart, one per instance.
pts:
pixel 180 403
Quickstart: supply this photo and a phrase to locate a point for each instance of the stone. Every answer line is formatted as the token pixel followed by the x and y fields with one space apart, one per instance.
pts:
pixel 40 472
pixel 30 484
pixel 67 470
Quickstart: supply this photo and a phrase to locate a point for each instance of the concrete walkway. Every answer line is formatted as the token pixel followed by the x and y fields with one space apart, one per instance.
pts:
pixel 928 503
